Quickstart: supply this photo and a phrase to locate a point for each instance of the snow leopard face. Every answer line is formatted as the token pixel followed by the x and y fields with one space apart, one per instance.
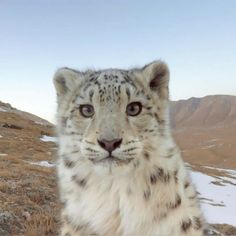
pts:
pixel 111 117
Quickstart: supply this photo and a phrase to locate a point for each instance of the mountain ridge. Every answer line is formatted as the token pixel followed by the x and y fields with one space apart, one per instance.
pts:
pixel 206 112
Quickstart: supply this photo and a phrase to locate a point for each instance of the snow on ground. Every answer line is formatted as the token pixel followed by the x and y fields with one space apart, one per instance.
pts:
pixel 43 163
pixel 209 146
pixel 2 110
pixel 3 154
pixel 46 138
pixel 229 171
pixel 40 123
pixel 218 201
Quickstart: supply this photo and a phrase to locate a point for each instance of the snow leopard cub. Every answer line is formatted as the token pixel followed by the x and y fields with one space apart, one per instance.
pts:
pixel 120 172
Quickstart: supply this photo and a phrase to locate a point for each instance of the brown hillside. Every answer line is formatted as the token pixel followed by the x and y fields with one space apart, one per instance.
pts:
pixel 205 129
pixel 28 192
pixel 210 111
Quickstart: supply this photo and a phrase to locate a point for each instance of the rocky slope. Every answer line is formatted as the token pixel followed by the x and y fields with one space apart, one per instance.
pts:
pixel 205 129
pixel 207 112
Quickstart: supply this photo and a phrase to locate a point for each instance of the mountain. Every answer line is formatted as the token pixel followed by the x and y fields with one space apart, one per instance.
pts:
pixel 206 112
pixel 205 129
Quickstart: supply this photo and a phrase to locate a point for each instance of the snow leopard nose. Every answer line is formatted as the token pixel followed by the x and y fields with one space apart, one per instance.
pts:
pixel 110 145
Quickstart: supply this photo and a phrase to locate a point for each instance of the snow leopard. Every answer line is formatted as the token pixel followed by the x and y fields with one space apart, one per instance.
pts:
pixel 119 170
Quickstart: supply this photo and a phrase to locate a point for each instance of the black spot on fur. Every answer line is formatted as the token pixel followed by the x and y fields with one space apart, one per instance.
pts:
pixel 158 119
pixel 176 176
pixel 185 225
pixel 197 223
pixel 130 149
pixel 128 93
pixel 91 150
pixel 132 141
pixel 149 130
pixel 91 95
pixel 153 179
pixel 159 174
pixel 80 182
pixel 147 194
pixel 177 203
pixel 97 83
pixel 186 185
pixel 119 89
pixel 68 163
pixel 146 156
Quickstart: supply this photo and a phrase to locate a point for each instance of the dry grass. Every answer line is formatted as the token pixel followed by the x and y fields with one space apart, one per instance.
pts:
pixel 27 167
pixel 26 189
pixel 6 173
pixel 41 224
pixel 13 160
pixel 4 187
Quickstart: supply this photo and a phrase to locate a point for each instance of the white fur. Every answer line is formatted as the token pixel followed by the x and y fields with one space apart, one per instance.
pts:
pixel 112 200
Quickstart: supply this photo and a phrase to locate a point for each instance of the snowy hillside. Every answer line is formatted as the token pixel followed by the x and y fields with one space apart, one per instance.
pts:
pixel 217 195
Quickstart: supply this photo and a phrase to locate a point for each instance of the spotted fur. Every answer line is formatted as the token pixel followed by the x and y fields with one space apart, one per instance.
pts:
pixel 144 188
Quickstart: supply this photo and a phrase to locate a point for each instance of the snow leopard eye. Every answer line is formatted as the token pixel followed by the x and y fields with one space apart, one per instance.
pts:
pixel 86 110
pixel 134 108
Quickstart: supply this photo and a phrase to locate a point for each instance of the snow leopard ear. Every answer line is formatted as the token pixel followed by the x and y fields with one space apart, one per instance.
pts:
pixel 157 76
pixel 65 80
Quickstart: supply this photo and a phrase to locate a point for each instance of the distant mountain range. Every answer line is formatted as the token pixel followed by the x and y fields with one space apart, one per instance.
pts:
pixel 205 129
pixel 206 112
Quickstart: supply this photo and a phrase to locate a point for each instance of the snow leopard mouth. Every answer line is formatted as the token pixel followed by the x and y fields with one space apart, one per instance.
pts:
pixel 112 159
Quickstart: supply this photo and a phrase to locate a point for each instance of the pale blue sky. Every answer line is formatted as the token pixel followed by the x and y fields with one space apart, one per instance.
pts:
pixel 196 38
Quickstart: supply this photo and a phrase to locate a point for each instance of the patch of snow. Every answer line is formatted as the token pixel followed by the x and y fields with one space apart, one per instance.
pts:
pixel 40 123
pixel 213 140
pixel 3 154
pixel 209 146
pixel 46 138
pixel 229 180
pixel 213 232
pixel 229 171
pixel 2 110
pixel 217 201
pixel 43 163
